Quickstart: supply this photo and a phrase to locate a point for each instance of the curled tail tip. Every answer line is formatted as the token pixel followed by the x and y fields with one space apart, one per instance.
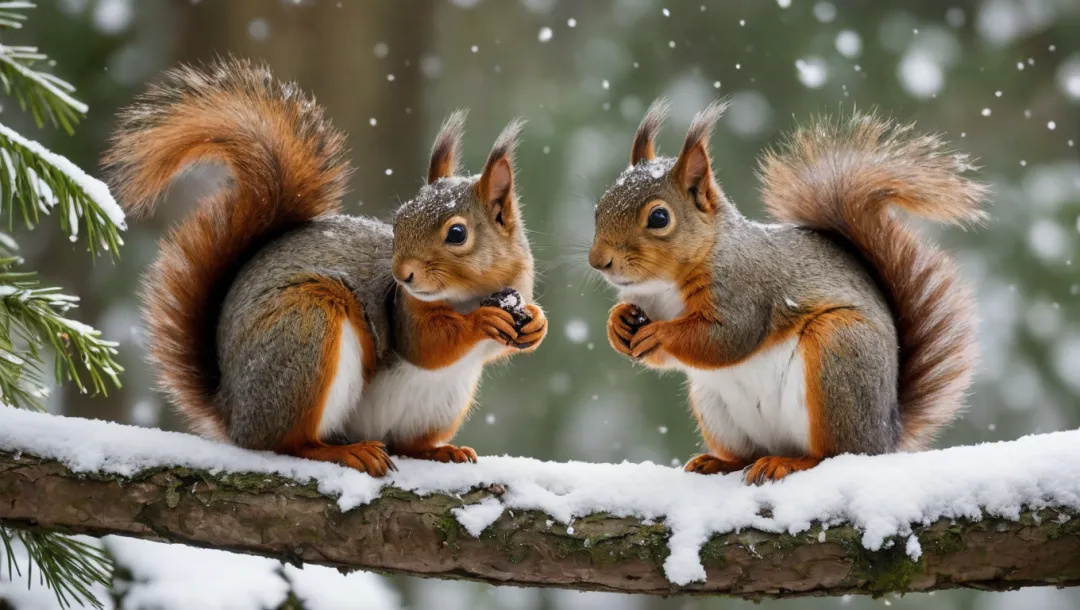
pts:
pixel 864 158
pixel 270 133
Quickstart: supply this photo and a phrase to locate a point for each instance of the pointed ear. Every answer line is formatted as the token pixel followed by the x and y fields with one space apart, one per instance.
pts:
pixel 644 149
pixel 692 172
pixel 446 152
pixel 496 186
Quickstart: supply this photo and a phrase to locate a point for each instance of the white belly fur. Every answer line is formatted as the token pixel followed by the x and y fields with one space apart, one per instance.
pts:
pixel 405 401
pixel 347 386
pixel 758 405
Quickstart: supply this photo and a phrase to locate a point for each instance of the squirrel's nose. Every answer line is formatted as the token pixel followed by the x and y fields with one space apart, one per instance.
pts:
pixel 404 271
pixel 600 260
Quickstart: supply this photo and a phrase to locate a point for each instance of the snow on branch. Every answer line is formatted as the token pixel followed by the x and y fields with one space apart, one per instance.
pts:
pixel 994 516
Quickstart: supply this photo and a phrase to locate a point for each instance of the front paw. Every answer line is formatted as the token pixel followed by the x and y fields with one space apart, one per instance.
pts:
pixel 533 332
pixel 496 324
pixel 710 464
pixel 774 468
pixel 448 454
pixel 623 323
pixel 648 341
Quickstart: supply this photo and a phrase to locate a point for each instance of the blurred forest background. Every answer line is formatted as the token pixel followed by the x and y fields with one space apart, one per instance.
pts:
pixel 1001 78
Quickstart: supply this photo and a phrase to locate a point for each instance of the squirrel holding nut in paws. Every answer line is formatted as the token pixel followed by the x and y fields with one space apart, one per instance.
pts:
pixel 839 330
pixel 276 322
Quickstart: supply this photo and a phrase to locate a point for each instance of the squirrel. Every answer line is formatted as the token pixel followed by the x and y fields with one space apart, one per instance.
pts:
pixel 278 323
pixel 836 330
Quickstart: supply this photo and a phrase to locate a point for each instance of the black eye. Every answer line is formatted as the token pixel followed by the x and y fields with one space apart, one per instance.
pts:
pixel 659 218
pixel 456 234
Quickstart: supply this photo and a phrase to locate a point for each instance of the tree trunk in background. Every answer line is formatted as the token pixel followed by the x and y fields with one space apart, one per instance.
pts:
pixel 329 48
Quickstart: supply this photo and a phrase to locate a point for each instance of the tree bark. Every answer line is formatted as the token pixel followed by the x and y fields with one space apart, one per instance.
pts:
pixel 405 533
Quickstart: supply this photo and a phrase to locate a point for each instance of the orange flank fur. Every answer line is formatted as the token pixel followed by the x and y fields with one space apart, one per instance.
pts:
pixel 814 342
pixel 337 303
pixel 816 334
pixel 339 307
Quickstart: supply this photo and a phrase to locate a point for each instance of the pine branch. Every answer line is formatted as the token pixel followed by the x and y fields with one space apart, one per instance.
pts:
pixel 46 96
pixel 34 316
pixel 11 19
pixel 68 566
pixel 35 181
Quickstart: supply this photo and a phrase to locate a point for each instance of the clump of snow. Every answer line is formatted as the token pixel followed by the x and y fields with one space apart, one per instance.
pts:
pixel 913 548
pixel 885 497
pixel 475 518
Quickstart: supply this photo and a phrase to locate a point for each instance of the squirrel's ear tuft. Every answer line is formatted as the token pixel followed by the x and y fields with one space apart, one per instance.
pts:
pixel 446 152
pixel 644 149
pixel 693 169
pixel 496 185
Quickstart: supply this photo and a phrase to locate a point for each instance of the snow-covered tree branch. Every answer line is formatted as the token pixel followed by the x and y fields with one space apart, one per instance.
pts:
pixel 996 516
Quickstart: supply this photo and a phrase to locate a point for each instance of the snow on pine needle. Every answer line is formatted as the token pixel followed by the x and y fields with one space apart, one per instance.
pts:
pixel 44 95
pixel 32 316
pixel 33 180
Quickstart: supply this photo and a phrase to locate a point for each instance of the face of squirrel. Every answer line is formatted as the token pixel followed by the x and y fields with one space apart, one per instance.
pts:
pixel 659 218
pixel 461 238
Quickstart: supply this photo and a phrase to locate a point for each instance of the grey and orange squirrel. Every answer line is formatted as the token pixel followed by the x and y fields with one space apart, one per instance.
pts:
pixel 280 324
pixel 836 330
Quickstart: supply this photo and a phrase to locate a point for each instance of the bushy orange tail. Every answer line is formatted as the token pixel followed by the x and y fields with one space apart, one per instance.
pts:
pixel 287 168
pixel 840 176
